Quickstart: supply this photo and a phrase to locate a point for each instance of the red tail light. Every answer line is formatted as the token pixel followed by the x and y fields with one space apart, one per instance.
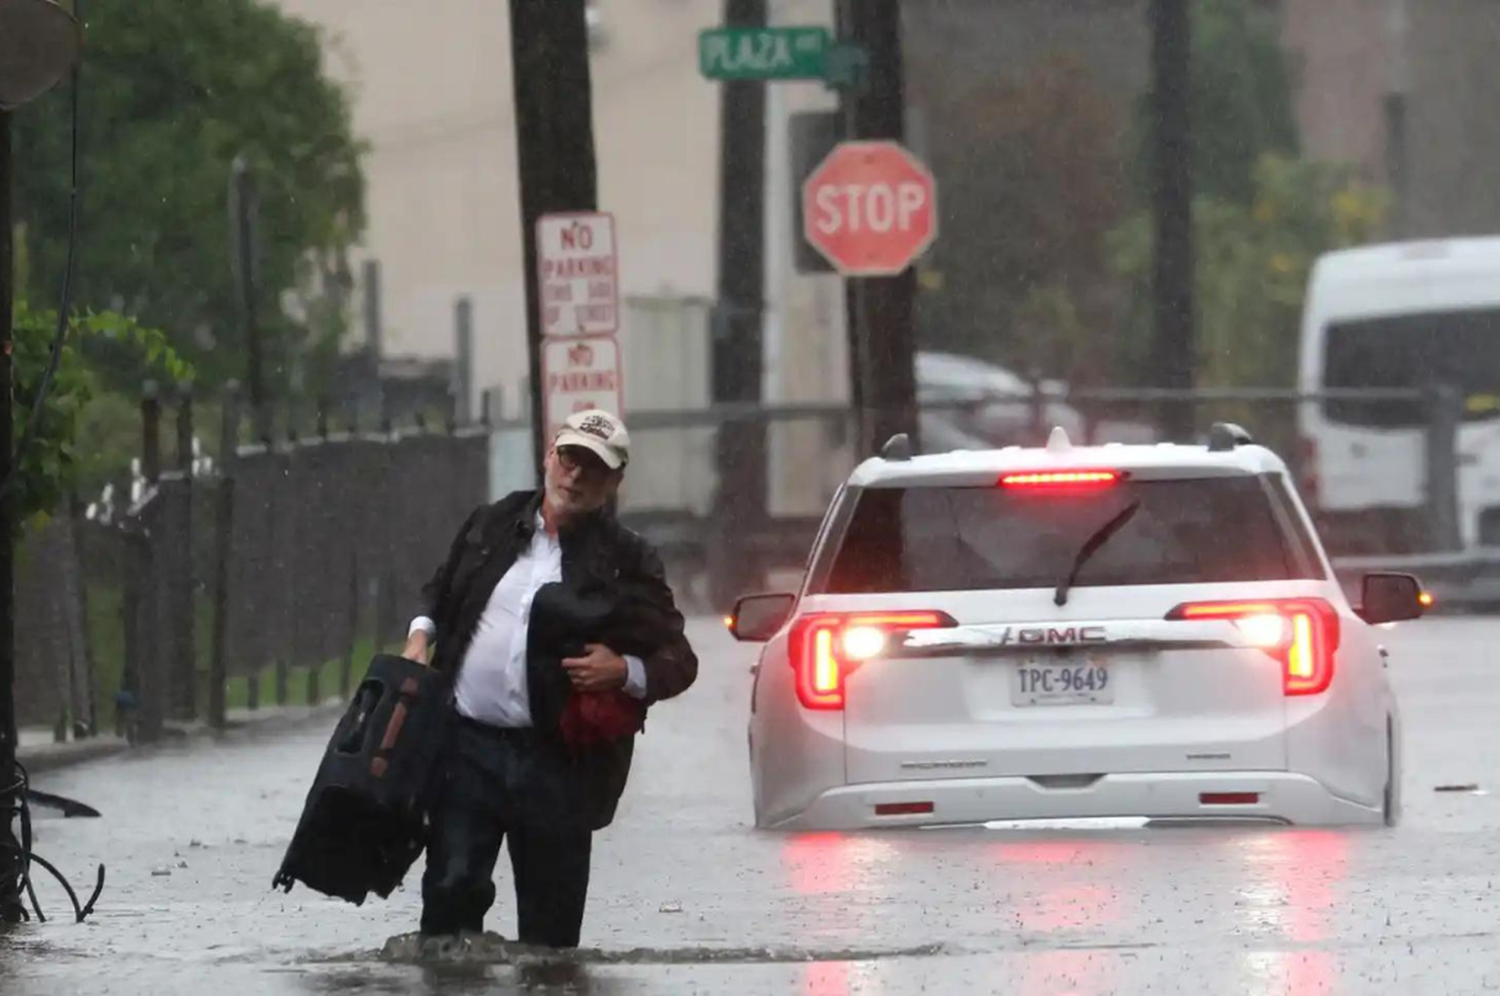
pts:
pixel 825 648
pixel 1061 479
pixel 1304 642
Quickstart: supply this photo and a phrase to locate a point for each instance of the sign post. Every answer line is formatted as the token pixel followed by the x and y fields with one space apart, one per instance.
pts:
pixel 870 208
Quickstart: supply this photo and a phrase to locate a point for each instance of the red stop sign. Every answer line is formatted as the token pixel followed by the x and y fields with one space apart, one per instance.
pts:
pixel 870 208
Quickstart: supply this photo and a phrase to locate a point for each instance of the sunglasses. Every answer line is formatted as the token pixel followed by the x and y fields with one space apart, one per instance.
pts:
pixel 578 458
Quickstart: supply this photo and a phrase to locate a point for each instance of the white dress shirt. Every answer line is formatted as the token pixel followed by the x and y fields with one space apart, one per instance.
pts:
pixel 492 679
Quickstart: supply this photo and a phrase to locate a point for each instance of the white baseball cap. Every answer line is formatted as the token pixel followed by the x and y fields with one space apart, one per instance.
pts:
pixel 600 432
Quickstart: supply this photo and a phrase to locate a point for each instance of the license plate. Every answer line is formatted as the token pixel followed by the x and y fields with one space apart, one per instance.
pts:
pixel 1061 683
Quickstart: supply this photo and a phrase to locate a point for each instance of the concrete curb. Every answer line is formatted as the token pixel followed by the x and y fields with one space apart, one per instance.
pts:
pixel 43 757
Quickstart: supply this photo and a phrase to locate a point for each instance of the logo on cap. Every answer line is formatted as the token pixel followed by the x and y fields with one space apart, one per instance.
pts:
pixel 597 425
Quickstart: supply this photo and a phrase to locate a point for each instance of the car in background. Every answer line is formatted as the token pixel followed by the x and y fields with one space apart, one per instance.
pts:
pixel 1071 632
pixel 997 409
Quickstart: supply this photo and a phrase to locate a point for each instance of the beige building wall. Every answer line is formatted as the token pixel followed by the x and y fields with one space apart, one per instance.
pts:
pixel 434 100
pixel 1345 65
pixel 433 97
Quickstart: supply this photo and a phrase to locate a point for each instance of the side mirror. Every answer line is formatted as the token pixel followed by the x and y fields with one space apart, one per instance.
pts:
pixel 1392 598
pixel 758 617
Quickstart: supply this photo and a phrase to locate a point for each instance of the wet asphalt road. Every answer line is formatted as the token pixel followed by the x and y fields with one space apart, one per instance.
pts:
pixel 686 897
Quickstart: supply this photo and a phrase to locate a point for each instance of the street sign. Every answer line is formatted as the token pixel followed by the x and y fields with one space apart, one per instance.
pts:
pixel 846 66
pixel 785 53
pixel 870 208
pixel 580 374
pixel 579 274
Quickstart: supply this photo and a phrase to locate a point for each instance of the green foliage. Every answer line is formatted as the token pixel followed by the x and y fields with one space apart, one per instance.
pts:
pixel 54 462
pixel 171 93
pixel 1253 261
pixel 1261 214
pixel 1028 194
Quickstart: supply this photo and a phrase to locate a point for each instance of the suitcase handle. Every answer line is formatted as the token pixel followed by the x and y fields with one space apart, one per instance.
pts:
pixel 380 764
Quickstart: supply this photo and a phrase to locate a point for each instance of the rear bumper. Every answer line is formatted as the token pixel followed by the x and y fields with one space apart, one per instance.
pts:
pixel 1284 797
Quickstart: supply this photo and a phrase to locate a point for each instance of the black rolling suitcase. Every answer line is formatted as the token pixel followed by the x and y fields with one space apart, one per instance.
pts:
pixel 364 822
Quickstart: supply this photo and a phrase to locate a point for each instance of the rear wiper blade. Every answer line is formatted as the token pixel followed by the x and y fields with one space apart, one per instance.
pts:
pixel 1091 546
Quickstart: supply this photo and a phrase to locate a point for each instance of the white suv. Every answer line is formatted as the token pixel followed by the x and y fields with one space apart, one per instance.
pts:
pixel 1069 632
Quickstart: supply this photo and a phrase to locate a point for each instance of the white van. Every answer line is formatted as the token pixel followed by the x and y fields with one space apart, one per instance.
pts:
pixel 1405 315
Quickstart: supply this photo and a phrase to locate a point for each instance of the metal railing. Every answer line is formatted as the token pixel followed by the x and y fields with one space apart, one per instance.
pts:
pixel 282 560
pixel 277 560
pixel 670 491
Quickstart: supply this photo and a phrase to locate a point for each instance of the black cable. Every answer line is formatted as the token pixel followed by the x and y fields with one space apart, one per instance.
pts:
pixel 60 337
pixel 22 808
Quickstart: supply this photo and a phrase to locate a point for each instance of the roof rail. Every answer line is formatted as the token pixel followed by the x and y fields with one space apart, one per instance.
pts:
pixel 898 447
pixel 1225 436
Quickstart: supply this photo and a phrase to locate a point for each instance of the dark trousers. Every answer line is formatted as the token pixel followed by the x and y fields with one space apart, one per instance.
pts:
pixel 507 786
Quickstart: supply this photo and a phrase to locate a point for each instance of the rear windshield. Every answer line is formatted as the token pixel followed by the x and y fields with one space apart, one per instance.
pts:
pixel 967 538
pixel 1459 348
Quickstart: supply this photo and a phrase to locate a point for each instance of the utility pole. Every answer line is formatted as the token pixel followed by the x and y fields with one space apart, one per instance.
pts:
pixel 881 323
pixel 39 44
pixel 1398 90
pixel 554 147
pixel 11 909
pixel 1172 283
pixel 463 361
pixel 739 506
pixel 245 218
pixel 374 396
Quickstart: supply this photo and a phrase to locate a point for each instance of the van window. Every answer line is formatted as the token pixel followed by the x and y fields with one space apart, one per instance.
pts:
pixel 1414 351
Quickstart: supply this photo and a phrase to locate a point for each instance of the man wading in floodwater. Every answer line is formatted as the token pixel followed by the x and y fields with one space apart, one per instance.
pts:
pixel 548 706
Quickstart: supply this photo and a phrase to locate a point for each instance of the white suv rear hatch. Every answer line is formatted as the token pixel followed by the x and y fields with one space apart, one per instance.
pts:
pixel 1104 683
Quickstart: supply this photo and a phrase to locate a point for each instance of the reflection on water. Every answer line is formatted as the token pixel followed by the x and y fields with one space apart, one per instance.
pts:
pixel 820 863
pixel 826 978
pixel 1074 901
pixel 1293 880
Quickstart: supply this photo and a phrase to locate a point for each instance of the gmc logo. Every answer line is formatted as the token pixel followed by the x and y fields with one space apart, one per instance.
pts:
pixel 1051 635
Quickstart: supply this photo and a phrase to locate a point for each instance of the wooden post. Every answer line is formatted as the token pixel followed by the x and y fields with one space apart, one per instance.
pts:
pixel 218 674
pixel 183 617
